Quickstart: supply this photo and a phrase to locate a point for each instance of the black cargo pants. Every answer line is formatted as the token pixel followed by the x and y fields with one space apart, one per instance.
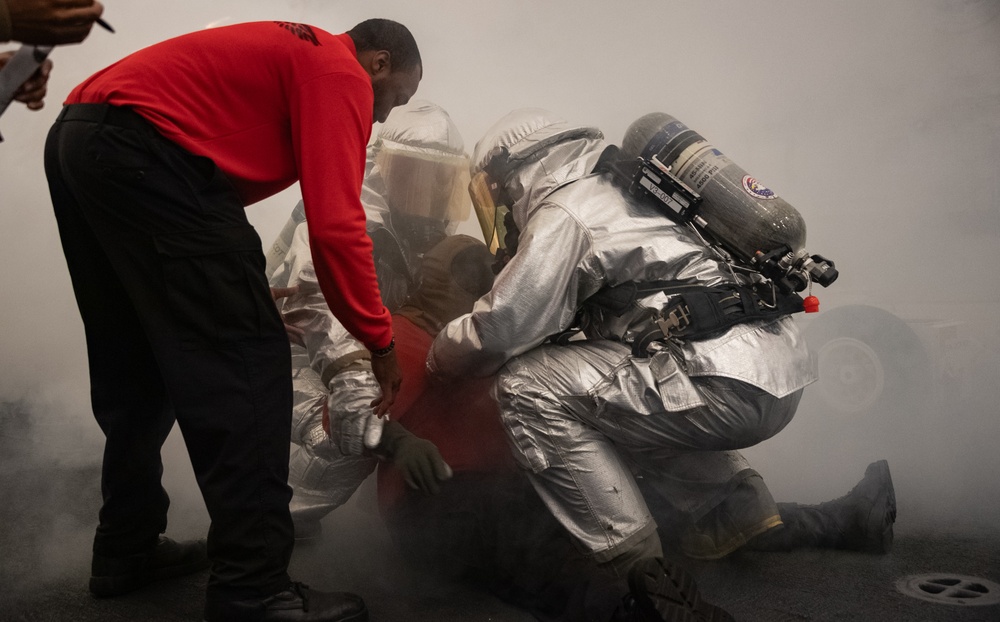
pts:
pixel 169 278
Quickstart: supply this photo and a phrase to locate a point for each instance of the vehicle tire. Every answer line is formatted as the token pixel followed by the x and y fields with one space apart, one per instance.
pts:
pixel 869 362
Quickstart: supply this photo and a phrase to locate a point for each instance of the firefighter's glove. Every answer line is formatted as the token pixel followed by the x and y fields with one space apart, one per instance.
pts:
pixel 357 435
pixel 348 419
pixel 416 458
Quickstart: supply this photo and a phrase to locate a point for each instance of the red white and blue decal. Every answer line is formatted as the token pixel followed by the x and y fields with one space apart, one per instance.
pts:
pixel 756 189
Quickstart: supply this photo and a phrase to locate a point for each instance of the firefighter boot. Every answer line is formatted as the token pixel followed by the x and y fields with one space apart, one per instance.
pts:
pixel 861 520
pixel 747 511
pixel 662 591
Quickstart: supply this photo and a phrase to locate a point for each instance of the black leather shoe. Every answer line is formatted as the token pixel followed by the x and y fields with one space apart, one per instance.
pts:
pixel 296 604
pixel 114 576
pixel 664 592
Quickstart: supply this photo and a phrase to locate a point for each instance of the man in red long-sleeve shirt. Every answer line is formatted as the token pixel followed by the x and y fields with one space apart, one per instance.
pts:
pixel 150 165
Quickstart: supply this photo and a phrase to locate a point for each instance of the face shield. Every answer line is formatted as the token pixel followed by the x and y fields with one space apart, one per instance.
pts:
pixel 490 210
pixel 422 184
pixel 425 191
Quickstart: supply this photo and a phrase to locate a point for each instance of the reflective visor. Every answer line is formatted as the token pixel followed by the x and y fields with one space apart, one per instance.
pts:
pixel 483 191
pixel 426 185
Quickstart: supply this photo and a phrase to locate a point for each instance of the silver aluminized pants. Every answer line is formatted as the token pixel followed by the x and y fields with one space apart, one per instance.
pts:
pixel 584 418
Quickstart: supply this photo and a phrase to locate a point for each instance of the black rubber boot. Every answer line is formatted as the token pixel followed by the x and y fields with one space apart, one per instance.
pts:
pixel 861 520
pixel 660 591
pixel 297 603
pixel 114 576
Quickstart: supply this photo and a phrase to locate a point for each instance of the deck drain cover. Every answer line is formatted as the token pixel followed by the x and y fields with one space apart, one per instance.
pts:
pixel 950 589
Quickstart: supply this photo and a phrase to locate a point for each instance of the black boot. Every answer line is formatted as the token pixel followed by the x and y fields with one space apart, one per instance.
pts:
pixel 861 520
pixel 114 576
pixel 660 591
pixel 297 603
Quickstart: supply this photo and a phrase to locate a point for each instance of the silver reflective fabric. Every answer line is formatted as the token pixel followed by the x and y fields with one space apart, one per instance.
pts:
pixel 329 346
pixel 321 476
pixel 332 370
pixel 423 127
pixel 584 419
pixel 334 367
pixel 562 404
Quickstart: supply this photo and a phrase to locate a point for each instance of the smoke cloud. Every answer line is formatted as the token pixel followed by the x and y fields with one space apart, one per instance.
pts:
pixel 878 121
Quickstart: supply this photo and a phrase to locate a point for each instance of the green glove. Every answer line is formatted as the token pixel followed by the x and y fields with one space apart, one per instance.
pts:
pixel 416 458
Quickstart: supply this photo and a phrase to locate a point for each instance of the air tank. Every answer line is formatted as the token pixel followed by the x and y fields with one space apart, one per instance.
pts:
pixel 743 214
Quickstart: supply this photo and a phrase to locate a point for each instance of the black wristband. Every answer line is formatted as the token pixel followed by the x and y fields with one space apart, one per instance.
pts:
pixel 382 352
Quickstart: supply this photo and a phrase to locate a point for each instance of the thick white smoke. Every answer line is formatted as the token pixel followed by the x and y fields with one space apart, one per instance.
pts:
pixel 878 121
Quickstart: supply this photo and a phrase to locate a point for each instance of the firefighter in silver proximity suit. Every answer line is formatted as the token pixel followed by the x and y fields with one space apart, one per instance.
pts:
pixel 586 416
pixel 414 194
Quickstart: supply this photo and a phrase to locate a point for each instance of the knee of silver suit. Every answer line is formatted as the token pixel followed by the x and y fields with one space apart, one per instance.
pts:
pixel 333 478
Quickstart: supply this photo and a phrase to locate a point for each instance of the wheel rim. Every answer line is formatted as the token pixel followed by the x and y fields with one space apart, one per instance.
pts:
pixel 851 375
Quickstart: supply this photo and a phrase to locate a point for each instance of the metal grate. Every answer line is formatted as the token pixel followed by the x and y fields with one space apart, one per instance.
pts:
pixel 950 589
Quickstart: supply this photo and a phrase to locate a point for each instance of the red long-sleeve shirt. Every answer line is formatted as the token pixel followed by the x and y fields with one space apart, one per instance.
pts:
pixel 271 103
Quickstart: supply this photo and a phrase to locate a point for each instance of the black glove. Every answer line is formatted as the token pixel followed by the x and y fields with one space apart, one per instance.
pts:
pixel 416 458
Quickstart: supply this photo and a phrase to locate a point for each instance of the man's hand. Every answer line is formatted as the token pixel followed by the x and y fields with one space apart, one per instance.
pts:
pixel 416 458
pixel 52 22
pixel 31 92
pixel 295 334
pixel 389 378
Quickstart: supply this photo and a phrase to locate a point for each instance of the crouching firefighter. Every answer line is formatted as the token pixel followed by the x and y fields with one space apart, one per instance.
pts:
pixel 585 416
pixel 761 238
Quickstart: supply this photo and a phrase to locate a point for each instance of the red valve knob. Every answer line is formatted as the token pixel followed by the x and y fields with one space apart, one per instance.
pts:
pixel 811 304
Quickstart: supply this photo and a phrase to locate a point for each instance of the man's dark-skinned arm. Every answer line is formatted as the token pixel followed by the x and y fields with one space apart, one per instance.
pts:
pixel 389 377
pixel 48 22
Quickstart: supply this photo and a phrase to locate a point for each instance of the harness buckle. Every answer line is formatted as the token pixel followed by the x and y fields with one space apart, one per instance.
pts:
pixel 674 320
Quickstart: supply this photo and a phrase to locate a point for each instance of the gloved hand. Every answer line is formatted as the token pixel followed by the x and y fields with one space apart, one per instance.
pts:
pixel 348 423
pixel 417 459
pixel 358 434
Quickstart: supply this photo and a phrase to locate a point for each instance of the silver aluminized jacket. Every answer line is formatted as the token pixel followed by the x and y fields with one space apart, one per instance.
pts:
pixel 584 417
pixel 578 237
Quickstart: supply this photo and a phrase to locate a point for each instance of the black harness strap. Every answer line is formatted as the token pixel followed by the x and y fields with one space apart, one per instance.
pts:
pixel 694 311
pixel 707 311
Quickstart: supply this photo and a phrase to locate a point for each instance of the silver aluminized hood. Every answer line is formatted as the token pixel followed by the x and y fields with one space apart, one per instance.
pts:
pixel 545 152
pixel 422 127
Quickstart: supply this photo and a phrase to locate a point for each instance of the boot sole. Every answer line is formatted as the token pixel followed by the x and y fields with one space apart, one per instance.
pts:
pixel 883 512
pixel 677 598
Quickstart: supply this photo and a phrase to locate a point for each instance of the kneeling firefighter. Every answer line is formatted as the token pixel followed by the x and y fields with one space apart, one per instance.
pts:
pixel 414 195
pixel 757 234
pixel 725 371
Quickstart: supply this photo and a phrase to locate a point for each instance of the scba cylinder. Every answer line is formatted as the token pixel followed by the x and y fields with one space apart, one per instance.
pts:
pixel 740 212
